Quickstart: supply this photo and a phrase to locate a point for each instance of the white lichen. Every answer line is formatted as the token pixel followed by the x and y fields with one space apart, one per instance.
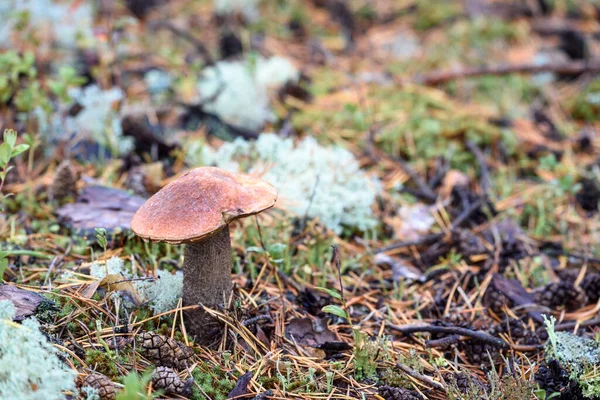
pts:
pixel 29 366
pixel 275 71
pixel 247 8
pixel 313 180
pixel 238 91
pixel 164 292
pixel 58 21
pixel 113 266
pixel 90 393
pixel 157 81
pixel 98 120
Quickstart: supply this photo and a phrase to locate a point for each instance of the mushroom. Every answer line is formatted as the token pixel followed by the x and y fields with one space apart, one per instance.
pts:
pixel 196 210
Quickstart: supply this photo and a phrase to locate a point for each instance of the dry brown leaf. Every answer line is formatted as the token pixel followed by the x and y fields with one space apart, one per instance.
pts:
pixel 115 283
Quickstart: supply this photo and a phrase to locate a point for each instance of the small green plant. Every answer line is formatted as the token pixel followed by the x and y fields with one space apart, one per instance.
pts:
pixel 366 353
pixel 9 149
pixel 541 394
pixel 102 240
pixel 135 387
pixel 18 82
pixel 549 323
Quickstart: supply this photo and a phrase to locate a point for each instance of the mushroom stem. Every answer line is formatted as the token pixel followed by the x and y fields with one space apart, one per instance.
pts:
pixel 207 281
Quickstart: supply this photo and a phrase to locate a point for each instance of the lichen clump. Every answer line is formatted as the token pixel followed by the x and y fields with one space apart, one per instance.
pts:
pixel 238 91
pixel 113 266
pixel 62 23
pixel 247 8
pixel 29 366
pixel 579 354
pixel 313 180
pixel 98 119
pixel 164 292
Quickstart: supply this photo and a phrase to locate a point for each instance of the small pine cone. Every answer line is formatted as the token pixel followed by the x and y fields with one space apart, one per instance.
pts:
pixel 568 274
pixel 466 383
pixel 591 286
pixel 64 182
pixel 467 243
pixel 165 351
pixel 495 300
pixel 104 386
pixel 477 352
pixel 518 331
pixel 394 393
pixel 560 294
pixel 167 379
pixel 514 327
pixel 551 376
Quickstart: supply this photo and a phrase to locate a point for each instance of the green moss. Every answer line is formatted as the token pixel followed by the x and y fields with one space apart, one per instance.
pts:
pixel 215 384
pixel 431 13
pixel 586 105
pixel 101 362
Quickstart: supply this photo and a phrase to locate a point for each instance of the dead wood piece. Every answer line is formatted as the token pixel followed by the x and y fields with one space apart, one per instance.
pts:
pixel 563 68
pixel 453 330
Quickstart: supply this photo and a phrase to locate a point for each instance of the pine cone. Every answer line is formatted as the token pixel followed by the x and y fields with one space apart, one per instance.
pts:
pixel 394 393
pixel 477 351
pixel 104 386
pixel 591 286
pixel 553 378
pixel 467 243
pixel 560 294
pixel 466 383
pixel 165 351
pixel 167 379
pixel 518 331
pixel 64 183
pixel 495 300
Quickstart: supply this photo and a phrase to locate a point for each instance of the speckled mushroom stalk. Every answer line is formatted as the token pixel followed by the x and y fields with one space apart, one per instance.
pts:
pixel 195 210
pixel 207 264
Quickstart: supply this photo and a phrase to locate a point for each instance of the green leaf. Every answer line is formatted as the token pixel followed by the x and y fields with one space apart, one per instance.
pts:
pixel 335 310
pixel 332 292
pixel 3 267
pixel 31 253
pixel 10 137
pixel 19 149
pixel 5 152
pixel 255 249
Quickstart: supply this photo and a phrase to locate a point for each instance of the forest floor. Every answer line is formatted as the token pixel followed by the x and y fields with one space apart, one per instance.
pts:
pixel 437 234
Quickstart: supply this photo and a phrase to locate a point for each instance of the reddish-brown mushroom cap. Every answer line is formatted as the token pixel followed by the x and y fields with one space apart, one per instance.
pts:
pixel 200 203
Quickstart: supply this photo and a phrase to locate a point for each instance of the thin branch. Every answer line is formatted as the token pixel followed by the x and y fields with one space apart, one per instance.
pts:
pixel 563 68
pixel 443 342
pixel 420 377
pixel 567 326
pixel 200 47
pixel 452 330
pixel 424 189
pixel 485 174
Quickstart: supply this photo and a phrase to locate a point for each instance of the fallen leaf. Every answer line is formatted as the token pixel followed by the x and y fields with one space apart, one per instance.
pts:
pixel 412 221
pixel 241 387
pixel 115 283
pixel 307 332
pixel 400 268
pixel 100 207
